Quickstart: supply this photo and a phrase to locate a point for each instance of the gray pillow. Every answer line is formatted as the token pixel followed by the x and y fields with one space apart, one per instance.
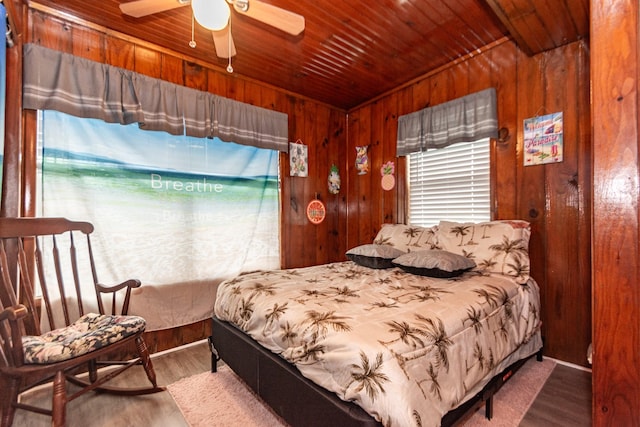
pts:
pixel 374 256
pixel 434 263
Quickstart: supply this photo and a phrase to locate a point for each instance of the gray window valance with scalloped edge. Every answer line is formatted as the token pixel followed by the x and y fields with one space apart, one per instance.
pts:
pixel 465 119
pixel 54 80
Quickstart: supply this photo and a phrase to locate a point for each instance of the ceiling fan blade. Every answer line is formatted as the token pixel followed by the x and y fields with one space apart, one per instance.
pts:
pixel 279 18
pixel 225 48
pixel 140 8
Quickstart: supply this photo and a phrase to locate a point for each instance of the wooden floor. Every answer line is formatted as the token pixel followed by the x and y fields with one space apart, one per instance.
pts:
pixel 101 410
pixel 565 399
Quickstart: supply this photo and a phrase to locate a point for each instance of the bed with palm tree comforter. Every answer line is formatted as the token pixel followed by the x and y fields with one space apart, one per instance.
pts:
pixel 402 344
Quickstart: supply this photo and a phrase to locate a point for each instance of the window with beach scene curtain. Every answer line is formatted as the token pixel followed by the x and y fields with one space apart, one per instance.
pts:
pixel 186 179
pixel 185 210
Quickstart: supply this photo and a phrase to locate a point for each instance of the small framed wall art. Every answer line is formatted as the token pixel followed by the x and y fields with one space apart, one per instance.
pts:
pixel 333 181
pixel 362 159
pixel 543 139
pixel 298 159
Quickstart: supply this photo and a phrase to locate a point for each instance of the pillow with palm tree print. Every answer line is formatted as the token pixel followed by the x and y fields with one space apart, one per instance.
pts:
pixel 407 238
pixel 495 246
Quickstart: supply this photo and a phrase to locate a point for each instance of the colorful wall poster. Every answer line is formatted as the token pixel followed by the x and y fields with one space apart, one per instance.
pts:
pixel 543 139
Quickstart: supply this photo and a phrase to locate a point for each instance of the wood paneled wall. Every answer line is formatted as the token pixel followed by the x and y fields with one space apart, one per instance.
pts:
pixel 615 68
pixel 555 198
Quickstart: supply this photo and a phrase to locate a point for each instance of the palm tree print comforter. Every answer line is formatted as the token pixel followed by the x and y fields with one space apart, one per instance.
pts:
pixel 406 348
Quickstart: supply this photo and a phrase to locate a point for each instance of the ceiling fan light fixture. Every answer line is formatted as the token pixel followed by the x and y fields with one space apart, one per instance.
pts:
pixel 211 14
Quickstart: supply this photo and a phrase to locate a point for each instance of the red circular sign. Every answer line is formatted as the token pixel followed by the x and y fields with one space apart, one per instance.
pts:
pixel 316 211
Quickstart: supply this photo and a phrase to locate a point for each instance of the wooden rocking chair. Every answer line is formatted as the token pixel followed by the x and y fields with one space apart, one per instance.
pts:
pixel 42 268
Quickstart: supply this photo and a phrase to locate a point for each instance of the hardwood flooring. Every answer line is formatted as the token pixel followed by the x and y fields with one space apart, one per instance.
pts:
pixel 565 399
pixel 103 410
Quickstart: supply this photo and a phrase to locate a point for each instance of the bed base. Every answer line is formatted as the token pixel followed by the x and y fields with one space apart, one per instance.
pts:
pixel 301 402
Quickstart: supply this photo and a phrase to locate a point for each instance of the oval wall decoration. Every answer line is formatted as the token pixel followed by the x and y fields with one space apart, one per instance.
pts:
pixel 316 211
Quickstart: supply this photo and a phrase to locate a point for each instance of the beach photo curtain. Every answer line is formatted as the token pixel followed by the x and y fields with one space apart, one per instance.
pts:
pixel 179 213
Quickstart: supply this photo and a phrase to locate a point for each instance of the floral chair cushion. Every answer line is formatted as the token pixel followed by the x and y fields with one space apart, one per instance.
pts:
pixel 90 332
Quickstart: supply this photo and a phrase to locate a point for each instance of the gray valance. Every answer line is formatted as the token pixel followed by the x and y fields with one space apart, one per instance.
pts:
pixel 59 81
pixel 249 125
pixel 465 119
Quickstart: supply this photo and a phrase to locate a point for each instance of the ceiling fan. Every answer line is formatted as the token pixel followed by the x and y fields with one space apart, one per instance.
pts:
pixel 214 15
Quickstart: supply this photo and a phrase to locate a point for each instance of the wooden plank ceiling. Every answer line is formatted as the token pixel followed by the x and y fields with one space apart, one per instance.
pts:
pixel 350 51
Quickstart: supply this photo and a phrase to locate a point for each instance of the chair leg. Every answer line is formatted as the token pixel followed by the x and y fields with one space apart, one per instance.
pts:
pixel 93 370
pixel 9 395
pixel 59 407
pixel 143 351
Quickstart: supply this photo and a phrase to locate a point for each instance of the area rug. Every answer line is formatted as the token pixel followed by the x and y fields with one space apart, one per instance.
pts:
pixel 222 400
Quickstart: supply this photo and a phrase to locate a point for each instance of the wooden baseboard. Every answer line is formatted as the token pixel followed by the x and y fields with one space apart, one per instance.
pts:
pixel 166 339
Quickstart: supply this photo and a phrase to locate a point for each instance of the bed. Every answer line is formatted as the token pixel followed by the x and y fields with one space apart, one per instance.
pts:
pixel 415 329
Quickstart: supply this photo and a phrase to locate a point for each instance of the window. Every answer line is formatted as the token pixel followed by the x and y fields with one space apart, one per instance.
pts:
pixel 451 183
pixel 189 211
pixel 193 210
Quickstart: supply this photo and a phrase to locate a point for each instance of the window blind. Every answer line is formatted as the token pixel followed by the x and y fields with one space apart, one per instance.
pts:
pixel 451 183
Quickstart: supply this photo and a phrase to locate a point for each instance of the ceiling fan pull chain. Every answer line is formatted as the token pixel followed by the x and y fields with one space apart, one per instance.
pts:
pixel 192 43
pixel 229 67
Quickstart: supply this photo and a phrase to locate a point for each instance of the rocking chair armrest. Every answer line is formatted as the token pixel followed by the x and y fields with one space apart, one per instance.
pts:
pixel 14 313
pixel 12 346
pixel 127 286
pixel 131 284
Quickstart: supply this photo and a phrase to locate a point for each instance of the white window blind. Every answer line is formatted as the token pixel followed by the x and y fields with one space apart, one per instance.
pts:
pixel 451 183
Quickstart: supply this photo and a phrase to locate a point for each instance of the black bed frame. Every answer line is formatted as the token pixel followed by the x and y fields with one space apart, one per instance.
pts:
pixel 302 403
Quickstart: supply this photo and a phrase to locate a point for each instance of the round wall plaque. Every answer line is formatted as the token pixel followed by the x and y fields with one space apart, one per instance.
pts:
pixel 316 211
